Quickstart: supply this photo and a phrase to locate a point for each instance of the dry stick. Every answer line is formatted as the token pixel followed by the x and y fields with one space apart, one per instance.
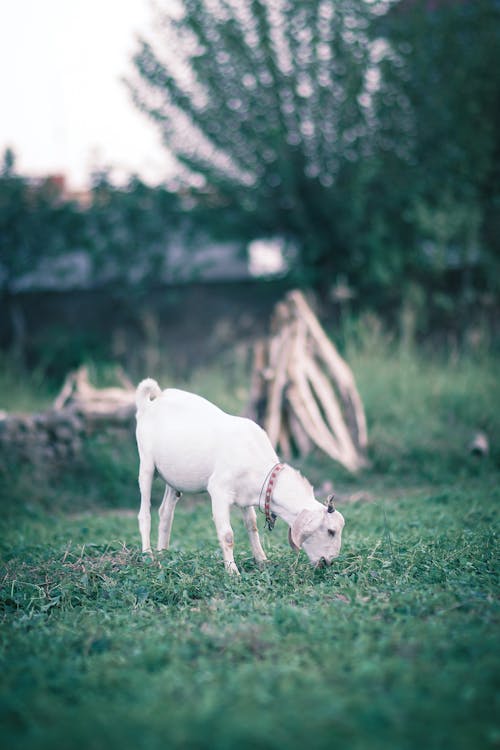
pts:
pixel 257 394
pixel 337 366
pixel 331 408
pixel 308 411
pixel 66 391
pixel 316 436
pixel 348 392
pixel 284 442
pixel 279 356
pixel 297 431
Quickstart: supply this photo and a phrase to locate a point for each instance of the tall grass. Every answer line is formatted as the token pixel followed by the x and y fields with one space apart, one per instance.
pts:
pixel 423 407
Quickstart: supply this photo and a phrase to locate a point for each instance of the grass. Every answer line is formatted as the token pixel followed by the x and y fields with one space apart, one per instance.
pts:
pixel 395 645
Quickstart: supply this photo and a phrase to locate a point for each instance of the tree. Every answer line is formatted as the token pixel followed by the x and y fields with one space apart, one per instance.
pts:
pixel 124 232
pixel 444 57
pixel 127 231
pixel 266 104
pixel 36 223
pixel 364 131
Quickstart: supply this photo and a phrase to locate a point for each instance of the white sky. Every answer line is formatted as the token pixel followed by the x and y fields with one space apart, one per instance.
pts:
pixel 63 107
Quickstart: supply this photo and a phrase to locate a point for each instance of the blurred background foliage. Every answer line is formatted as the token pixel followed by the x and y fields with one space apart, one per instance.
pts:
pixel 368 132
pixel 365 133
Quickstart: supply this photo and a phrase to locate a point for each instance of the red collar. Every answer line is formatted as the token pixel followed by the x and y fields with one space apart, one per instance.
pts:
pixel 273 475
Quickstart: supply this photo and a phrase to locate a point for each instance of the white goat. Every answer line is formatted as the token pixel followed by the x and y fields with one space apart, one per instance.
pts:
pixel 195 446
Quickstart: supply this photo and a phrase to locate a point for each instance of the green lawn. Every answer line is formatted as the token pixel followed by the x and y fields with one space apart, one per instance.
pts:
pixel 395 646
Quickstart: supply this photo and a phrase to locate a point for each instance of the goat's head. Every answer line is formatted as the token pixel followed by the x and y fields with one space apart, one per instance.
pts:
pixel 319 533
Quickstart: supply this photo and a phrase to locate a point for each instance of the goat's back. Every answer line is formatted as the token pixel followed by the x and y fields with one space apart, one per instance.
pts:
pixel 189 439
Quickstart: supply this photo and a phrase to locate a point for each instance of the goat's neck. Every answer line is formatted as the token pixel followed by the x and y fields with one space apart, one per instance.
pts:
pixel 291 496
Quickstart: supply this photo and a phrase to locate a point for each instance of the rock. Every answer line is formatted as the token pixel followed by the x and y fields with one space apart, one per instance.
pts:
pixel 479 444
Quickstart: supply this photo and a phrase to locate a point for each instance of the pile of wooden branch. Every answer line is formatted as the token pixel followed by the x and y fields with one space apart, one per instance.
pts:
pixel 114 405
pixel 303 393
pixel 56 435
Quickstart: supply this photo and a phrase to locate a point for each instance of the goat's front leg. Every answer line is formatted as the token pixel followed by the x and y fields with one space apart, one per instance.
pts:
pixel 221 516
pixel 250 519
pixel 146 472
pixel 166 513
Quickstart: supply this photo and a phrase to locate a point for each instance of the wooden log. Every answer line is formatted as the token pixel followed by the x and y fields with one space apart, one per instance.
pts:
pixel 330 406
pixel 339 369
pixel 284 442
pixel 314 430
pixel 257 398
pixel 280 353
pixel 298 434
pixel 311 417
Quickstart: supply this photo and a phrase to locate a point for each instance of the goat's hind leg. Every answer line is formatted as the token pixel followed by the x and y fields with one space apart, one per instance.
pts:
pixel 250 518
pixel 146 472
pixel 166 513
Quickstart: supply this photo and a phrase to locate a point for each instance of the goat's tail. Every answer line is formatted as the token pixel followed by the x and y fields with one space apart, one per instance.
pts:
pixel 147 391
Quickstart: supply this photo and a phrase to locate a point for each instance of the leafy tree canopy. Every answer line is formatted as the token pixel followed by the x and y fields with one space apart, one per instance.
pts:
pixel 359 129
pixel 267 104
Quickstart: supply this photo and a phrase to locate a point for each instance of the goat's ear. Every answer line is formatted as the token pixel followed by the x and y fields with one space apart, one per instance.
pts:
pixel 306 523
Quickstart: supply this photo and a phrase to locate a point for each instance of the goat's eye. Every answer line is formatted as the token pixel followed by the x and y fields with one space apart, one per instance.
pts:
pixel 331 532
